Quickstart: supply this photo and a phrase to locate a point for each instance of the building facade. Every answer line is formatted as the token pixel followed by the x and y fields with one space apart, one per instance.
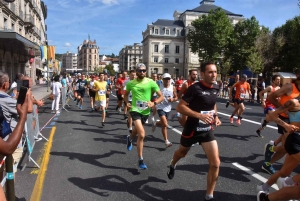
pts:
pixel 22 32
pixel 69 62
pixel 130 56
pixel 165 45
pixel 88 56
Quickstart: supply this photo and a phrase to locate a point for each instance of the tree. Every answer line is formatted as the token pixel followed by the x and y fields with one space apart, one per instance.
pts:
pixel 242 42
pixel 110 69
pixel 255 62
pixel 209 35
pixel 98 69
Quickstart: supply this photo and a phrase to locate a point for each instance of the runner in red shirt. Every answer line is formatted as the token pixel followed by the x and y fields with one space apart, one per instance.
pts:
pixel 241 88
pixel 120 96
pixel 179 83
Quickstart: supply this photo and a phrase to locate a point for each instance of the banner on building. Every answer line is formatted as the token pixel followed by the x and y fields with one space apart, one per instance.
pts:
pixel 45 52
pixel 51 53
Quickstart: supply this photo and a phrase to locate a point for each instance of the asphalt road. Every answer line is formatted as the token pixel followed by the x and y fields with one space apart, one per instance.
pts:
pixel 91 162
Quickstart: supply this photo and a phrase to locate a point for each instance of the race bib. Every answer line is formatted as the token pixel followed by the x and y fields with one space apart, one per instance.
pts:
pixel 206 112
pixel 101 93
pixel 141 105
pixel 180 85
pixel 242 95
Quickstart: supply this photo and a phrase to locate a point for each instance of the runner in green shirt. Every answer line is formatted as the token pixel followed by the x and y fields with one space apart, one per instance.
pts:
pixel 141 89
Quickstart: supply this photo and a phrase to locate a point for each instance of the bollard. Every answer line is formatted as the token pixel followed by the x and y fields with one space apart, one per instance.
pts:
pixel 10 184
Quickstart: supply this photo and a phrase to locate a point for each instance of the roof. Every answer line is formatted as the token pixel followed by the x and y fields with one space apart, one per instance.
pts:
pixel 173 23
pixel 206 8
pixel 285 75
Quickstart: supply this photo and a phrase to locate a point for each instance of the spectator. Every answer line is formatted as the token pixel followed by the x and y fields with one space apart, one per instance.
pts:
pixel 56 89
pixel 19 76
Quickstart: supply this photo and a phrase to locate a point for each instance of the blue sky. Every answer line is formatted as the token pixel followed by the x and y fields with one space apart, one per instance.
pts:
pixel 115 23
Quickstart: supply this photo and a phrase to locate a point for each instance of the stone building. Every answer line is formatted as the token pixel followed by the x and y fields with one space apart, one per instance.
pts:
pixel 22 32
pixel 69 61
pixel 165 45
pixel 88 56
pixel 130 56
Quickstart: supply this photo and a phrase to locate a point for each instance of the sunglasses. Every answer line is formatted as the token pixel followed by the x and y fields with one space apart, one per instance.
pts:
pixel 166 78
pixel 139 71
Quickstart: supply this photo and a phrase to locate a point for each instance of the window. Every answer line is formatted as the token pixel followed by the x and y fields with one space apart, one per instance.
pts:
pixel 178 32
pixel 167 32
pixel 166 60
pixel 165 70
pixel 166 48
pixel 177 49
pixel 177 72
pixel 155 59
pixel 156 31
pixel 177 60
pixel 155 70
pixel 155 48
pixel 12 26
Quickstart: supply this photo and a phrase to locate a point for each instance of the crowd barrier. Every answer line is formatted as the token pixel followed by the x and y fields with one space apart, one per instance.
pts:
pixel 64 98
pixel 32 132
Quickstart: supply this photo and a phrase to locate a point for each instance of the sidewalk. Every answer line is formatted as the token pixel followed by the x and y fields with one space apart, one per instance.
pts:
pixel 40 91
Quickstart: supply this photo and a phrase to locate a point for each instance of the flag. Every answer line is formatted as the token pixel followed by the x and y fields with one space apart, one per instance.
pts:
pixel 45 52
pixel 51 53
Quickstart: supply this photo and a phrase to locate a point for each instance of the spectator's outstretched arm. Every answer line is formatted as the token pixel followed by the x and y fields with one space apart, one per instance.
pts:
pixel 9 146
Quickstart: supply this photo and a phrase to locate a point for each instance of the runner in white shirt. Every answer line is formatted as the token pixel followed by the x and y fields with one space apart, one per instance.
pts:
pixel 132 76
pixel 164 108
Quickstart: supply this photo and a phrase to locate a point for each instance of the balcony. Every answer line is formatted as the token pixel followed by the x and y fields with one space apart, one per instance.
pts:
pixel 29 22
pixel 21 14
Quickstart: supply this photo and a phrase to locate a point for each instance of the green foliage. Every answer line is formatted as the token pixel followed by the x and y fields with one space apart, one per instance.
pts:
pixel 98 70
pixel 255 62
pixel 210 35
pixel 110 69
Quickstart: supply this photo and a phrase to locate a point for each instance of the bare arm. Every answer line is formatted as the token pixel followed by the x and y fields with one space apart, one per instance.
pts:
pixel 289 105
pixel 286 89
pixel 182 90
pixel 266 90
pixel 217 120
pixel 231 88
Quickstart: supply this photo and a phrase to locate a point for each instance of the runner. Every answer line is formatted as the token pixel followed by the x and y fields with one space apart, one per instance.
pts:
pixel 292 147
pixel 75 87
pixel 153 99
pixel 141 89
pixel 91 92
pixel 100 89
pixel 179 83
pixel 193 79
pixel 268 107
pixel 81 86
pixel 236 80
pixel 198 126
pixel 132 76
pixel 273 152
pixel 240 95
pixel 120 96
pixel 165 107
pixel 108 90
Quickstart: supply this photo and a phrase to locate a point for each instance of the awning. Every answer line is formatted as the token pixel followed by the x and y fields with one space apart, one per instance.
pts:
pixel 285 75
pixel 41 69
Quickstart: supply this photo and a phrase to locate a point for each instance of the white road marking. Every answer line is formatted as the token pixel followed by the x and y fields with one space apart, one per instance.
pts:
pixel 250 121
pixel 253 174
pixel 247 108
pixel 113 95
pixel 174 129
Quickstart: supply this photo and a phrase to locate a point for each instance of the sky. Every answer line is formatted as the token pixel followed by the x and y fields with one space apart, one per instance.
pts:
pixel 116 23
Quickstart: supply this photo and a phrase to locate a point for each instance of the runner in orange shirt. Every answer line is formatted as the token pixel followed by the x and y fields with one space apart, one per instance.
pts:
pixel 241 88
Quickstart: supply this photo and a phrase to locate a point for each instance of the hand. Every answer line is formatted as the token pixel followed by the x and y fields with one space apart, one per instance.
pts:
pixel 128 105
pixel 39 103
pixel 290 128
pixel 263 104
pixel 217 121
pixel 206 118
pixel 150 104
pixel 170 100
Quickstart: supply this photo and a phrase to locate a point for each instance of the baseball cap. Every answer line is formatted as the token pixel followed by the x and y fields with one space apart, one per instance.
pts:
pixel 166 75
pixel 79 74
pixel 244 76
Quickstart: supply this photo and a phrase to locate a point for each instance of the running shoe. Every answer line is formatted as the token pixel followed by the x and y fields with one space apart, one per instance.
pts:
pixel 103 124
pixel 75 100
pixel 281 182
pixel 52 112
pixel 268 153
pixel 153 127
pixel 129 143
pixel 263 123
pixel 57 112
pixel 176 114
pixel 120 110
pixel 80 107
pixel 142 165
pixel 259 134
pixel 153 120
pixel 125 117
pixel 117 108
pixel 268 168
pixel 171 172
pixel 231 120
pixel 146 121
pixel 130 131
pixel 238 121
pixel 168 144
pixel 261 196
pixel 227 104
pixel 259 188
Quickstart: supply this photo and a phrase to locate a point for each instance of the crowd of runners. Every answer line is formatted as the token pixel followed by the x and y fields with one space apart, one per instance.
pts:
pixel 140 98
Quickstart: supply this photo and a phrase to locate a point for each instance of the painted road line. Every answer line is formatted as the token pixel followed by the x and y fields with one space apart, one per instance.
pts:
pixel 52 123
pixel 39 183
pixel 247 120
pixel 247 108
pixel 47 122
pixel 253 174
pixel 113 95
pixel 174 129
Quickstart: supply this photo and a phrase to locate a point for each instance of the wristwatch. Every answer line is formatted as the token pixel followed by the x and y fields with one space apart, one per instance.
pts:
pixel 154 103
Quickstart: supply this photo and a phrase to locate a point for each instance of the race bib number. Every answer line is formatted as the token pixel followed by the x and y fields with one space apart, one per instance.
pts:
pixel 242 95
pixel 101 93
pixel 180 85
pixel 141 105
pixel 206 112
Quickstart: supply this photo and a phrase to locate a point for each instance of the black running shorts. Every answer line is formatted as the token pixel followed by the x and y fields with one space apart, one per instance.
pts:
pixel 281 129
pixel 81 93
pixel 239 101
pixel 136 116
pixel 292 143
pixel 119 96
pixel 190 136
pixel 92 93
